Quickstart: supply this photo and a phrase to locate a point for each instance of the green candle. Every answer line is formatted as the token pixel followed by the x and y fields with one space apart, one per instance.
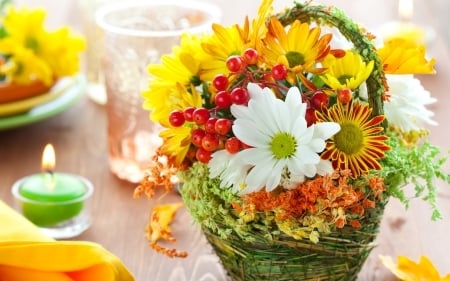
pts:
pixel 50 199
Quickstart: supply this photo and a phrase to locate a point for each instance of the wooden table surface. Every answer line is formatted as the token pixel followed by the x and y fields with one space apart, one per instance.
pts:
pixel 79 137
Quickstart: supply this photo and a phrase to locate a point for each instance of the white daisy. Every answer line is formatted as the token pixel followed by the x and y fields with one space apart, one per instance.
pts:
pixel 230 174
pixel 281 143
pixel 406 107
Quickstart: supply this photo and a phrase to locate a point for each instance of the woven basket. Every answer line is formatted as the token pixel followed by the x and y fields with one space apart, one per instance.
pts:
pixel 338 255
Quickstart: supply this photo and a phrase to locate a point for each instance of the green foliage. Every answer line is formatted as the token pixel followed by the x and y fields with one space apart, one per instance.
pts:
pixel 420 165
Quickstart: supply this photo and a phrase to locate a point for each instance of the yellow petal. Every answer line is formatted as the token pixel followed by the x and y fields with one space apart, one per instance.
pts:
pixel 160 219
pixel 401 56
pixel 408 270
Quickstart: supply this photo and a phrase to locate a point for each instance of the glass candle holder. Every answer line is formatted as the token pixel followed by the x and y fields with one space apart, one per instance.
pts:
pixel 62 211
pixel 136 34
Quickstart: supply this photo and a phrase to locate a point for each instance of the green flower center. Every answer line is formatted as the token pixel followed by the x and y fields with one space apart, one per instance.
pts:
pixel 32 43
pixel 195 80
pixel 349 139
pixel 343 79
pixel 283 145
pixel 294 59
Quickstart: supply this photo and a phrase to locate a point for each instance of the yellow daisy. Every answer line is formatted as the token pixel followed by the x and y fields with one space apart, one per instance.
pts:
pixel 182 67
pixel 349 71
pixel 162 98
pixel 176 140
pixel 358 145
pixel 225 42
pixel 233 40
pixel 400 56
pixel 299 48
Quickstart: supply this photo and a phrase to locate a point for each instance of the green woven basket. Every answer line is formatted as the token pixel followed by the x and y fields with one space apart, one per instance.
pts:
pixel 338 255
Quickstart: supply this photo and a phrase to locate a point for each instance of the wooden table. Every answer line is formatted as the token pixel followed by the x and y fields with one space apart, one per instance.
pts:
pixel 79 137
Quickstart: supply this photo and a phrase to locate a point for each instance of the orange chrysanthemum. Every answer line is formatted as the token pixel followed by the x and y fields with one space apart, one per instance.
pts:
pixel 358 145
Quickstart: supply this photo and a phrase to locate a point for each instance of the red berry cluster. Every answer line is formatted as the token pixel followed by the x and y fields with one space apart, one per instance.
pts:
pixel 211 128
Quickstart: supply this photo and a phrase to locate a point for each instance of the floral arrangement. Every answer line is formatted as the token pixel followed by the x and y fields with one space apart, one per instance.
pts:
pixel 298 124
pixel 29 52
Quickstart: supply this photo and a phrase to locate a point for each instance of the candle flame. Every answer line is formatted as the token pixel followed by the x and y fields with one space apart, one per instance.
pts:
pixel 405 9
pixel 48 165
pixel 48 159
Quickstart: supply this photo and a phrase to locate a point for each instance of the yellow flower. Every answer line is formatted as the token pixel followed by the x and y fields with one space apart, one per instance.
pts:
pixel 32 52
pixel 225 42
pixel 24 66
pixel 400 56
pixel 349 71
pixel 299 49
pixel 358 145
pixel 182 67
pixel 176 140
pixel 233 40
pixel 61 50
pixel 408 270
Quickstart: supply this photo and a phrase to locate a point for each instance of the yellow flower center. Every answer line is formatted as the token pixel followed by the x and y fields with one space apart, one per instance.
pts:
pixel 283 145
pixel 349 139
pixel 294 59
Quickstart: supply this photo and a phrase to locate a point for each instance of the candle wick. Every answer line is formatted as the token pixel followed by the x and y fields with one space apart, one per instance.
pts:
pixel 50 178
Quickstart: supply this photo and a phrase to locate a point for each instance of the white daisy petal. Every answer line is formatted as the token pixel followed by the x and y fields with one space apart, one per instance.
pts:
pixel 242 129
pixel 326 130
pixel 324 167
pixel 264 166
pixel 406 106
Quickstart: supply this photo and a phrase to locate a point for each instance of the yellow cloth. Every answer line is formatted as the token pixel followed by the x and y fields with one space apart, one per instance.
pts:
pixel 28 255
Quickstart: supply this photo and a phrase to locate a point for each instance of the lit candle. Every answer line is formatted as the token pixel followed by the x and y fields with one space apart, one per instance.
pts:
pixel 405 28
pixel 48 198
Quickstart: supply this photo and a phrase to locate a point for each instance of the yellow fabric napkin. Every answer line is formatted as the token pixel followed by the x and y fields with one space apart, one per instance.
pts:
pixel 26 254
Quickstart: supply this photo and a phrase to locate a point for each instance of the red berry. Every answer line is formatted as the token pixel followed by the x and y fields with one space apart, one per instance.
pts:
pixel 197 136
pixel 250 56
pixel 176 118
pixel 189 113
pixel 222 99
pixel 203 155
pixel 232 145
pixel 310 116
pixel 239 96
pixel 200 115
pixel 319 100
pixel 223 126
pixel 344 95
pixel 279 71
pixel 210 125
pixel 235 63
pixel 220 82
pixel 210 142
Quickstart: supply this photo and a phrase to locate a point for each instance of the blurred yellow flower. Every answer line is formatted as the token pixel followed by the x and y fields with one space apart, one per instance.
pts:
pixel 408 270
pixel 400 56
pixel 31 53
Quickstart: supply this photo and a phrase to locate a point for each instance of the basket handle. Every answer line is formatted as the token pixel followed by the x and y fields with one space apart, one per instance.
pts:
pixel 363 45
